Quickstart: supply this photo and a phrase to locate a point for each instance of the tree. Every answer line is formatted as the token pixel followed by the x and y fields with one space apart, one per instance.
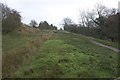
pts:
pixel 33 23
pixel 11 19
pixel 86 19
pixel 60 28
pixel 102 20
pixel 102 12
pixel 110 28
pixel 100 23
pixel 66 23
pixel 45 25
pixel 69 25
pixel 54 27
pixel 82 18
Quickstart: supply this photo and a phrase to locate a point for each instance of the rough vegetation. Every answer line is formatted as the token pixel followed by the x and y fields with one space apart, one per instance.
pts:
pixel 45 52
pixel 19 47
pixel 100 23
pixel 56 56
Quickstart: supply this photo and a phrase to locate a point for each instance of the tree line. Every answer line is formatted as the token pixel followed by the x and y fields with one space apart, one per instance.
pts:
pixel 101 22
pixel 11 21
pixel 43 25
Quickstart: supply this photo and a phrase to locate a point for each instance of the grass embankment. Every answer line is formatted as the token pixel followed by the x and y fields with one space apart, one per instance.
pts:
pixel 20 47
pixel 70 55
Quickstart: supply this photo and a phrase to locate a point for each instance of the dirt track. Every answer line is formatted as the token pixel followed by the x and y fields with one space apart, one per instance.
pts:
pixel 109 47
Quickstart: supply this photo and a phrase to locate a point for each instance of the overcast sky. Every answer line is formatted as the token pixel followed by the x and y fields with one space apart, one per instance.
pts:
pixel 53 11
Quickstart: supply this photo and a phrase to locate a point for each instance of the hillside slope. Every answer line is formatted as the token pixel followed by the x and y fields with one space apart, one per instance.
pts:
pixel 60 54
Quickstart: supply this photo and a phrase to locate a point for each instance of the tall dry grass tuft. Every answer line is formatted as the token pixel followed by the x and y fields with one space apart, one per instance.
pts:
pixel 14 59
pixel 28 30
pixel 47 36
pixel 11 62
pixel 37 42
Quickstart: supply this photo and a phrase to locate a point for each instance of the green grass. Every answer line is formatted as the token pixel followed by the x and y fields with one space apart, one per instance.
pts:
pixel 19 48
pixel 70 55
pixel 19 40
pixel 109 43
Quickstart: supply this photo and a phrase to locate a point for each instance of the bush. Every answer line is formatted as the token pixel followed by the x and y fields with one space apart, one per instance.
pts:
pixel 11 19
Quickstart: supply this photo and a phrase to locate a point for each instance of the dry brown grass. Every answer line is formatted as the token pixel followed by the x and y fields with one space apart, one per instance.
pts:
pixel 28 30
pixel 47 36
pixel 13 59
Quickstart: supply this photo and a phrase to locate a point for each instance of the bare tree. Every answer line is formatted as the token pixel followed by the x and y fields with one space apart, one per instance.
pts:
pixel 67 21
pixel 82 18
pixel 102 10
pixel 86 19
pixel 33 23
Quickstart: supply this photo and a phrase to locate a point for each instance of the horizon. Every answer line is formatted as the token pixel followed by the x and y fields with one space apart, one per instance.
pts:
pixel 54 11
